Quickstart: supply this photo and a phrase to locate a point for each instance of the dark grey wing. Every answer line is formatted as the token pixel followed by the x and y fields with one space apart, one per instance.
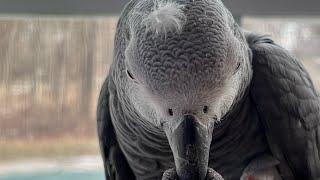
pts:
pixel 115 163
pixel 288 106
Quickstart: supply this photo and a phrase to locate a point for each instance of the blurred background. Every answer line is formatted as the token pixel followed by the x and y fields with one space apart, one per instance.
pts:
pixel 55 55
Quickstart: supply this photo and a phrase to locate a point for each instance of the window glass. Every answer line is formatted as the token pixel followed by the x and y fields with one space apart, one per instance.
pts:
pixel 51 71
pixel 299 35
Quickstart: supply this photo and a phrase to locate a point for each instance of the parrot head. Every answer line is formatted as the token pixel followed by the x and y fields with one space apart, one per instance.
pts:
pixel 187 63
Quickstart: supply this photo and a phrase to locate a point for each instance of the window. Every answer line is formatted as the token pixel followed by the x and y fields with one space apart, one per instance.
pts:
pixel 51 71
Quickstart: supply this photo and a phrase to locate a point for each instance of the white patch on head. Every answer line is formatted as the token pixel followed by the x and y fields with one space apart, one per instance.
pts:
pixel 229 95
pixel 166 16
pixel 233 87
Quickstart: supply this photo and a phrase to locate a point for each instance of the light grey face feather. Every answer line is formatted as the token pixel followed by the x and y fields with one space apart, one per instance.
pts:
pixel 184 58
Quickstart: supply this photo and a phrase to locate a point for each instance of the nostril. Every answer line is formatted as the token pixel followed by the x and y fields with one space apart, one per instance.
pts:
pixel 170 111
pixel 205 109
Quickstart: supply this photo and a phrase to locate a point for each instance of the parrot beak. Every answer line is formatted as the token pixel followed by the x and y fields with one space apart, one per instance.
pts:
pixel 190 143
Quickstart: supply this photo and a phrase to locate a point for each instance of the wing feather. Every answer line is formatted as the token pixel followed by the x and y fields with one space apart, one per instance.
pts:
pixel 288 106
pixel 115 163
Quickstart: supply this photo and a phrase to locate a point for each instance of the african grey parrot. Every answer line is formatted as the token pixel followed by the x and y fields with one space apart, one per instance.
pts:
pixel 190 95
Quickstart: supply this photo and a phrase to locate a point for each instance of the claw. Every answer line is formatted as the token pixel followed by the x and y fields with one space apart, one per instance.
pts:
pixel 170 174
pixel 213 175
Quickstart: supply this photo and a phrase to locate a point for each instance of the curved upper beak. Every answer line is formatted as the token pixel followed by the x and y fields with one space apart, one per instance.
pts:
pixel 190 143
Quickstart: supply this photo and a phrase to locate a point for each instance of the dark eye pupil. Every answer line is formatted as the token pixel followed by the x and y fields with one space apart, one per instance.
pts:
pixel 129 74
pixel 205 109
pixel 170 112
pixel 238 66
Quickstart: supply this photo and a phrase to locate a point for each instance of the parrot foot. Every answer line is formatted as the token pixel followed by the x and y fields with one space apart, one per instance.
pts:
pixel 171 174
pixel 213 175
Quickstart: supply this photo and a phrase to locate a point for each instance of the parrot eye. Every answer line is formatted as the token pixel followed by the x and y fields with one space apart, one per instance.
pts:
pixel 205 109
pixel 238 66
pixel 170 112
pixel 130 75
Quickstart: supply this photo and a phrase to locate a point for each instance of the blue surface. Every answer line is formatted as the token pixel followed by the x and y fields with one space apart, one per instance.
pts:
pixel 58 175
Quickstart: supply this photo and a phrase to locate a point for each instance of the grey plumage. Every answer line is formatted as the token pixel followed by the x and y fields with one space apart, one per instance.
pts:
pixel 282 86
pixel 198 93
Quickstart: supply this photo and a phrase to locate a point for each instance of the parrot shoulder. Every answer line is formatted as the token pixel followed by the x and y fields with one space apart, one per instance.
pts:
pixel 115 163
pixel 288 106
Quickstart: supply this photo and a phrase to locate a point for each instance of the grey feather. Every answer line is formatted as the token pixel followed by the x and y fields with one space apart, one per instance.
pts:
pixel 248 93
pixel 281 85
